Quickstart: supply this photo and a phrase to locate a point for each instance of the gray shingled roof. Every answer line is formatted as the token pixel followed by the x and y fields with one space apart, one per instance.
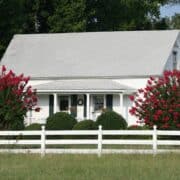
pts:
pixel 97 54
pixel 82 84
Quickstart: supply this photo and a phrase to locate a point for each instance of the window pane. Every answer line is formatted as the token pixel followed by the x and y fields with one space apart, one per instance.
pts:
pixel 98 103
pixel 64 103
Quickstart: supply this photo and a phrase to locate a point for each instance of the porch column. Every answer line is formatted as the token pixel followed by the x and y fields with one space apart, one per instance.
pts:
pixel 55 103
pixel 87 106
pixel 104 101
pixel 69 107
pixel 121 103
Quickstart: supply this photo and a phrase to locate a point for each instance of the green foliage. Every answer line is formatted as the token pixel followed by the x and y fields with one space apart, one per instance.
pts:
pixel 31 127
pixel 69 16
pixel 34 126
pixel 135 127
pixel 44 16
pixel 85 125
pixel 175 21
pixel 60 121
pixel 111 120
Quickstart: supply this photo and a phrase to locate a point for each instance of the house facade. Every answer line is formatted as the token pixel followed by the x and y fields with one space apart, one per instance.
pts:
pixel 84 73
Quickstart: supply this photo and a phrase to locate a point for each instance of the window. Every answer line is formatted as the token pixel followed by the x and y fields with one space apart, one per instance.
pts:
pixel 98 102
pixel 174 60
pixel 64 103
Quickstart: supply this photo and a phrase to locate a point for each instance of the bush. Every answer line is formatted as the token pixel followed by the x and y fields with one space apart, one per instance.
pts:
pixel 85 125
pixel 31 127
pixel 34 126
pixel 60 121
pixel 136 127
pixel 111 120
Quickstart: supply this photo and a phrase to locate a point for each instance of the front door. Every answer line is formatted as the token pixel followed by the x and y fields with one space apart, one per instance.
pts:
pixel 98 105
pixel 64 103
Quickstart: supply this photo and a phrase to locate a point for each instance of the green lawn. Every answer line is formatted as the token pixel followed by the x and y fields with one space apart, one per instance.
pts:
pixel 82 167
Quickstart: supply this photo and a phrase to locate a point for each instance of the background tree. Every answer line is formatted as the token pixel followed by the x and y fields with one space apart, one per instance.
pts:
pixel 175 21
pixel 159 102
pixel 16 98
pixel 68 16
pixel 44 16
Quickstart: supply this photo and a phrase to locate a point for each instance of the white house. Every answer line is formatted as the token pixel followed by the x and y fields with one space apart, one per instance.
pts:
pixel 83 73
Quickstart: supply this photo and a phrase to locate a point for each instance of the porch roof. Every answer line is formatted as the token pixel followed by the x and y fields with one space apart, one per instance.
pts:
pixel 82 85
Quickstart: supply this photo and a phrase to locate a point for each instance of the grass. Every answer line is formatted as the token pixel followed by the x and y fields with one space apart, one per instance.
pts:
pixel 87 167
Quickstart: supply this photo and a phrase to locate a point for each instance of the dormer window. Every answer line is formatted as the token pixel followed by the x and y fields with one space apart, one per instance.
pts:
pixel 174 63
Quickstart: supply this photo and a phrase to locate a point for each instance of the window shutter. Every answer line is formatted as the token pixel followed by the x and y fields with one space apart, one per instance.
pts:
pixel 109 101
pixel 51 105
pixel 85 105
pixel 74 105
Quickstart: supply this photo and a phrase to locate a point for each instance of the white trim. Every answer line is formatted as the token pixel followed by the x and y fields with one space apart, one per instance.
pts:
pixel 55 102
pixel 87 105
pixel 104 101
pixel 87 91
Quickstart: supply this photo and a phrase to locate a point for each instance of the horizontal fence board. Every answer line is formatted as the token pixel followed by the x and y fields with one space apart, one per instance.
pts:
pixel 16 142
pixel 168 142
pixel 168 133
pixel 127 142
pixel 72 151
pixel 127 132
pixel 18 133
pixel 73 132
pixel 74 141
pixel 23 151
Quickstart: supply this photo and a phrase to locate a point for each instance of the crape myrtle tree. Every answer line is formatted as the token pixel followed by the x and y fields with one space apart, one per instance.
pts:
pixel 16 98
pixel 159 102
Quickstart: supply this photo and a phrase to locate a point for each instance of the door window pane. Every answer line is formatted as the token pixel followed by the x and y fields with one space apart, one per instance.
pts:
pixel 64 105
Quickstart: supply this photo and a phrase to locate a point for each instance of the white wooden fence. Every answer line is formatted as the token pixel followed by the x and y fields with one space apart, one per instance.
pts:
pixel 43 142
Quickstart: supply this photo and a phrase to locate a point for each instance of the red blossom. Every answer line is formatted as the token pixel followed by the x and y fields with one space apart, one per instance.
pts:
pixel 159 102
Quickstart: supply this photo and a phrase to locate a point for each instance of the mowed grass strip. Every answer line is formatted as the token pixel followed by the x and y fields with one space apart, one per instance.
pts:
pixel 82 167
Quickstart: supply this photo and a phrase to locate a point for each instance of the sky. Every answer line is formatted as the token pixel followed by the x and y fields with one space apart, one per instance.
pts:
pixel 169 10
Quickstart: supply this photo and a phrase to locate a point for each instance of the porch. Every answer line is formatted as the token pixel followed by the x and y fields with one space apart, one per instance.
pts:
pixel 84 99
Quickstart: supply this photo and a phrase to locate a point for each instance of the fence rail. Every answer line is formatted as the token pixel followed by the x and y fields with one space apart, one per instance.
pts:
pixel 7 139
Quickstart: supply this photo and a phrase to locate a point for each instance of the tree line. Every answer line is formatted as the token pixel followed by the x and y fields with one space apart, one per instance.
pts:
pixel 56 16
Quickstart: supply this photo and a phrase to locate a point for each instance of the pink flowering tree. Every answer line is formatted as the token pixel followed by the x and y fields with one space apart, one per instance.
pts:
pixel 159 102
pixel 16 98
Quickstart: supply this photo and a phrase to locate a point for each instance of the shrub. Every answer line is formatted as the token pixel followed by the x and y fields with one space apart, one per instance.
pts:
pixel 85 125
pixel 60 121
pixel 31 127
pixel 159 102
pixel 34 126
pixel 137 127
pixel 111 120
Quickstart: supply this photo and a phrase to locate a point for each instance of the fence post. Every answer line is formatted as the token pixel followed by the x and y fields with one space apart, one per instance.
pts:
pixel 154 139
pixel 43 137
pixel 100 141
